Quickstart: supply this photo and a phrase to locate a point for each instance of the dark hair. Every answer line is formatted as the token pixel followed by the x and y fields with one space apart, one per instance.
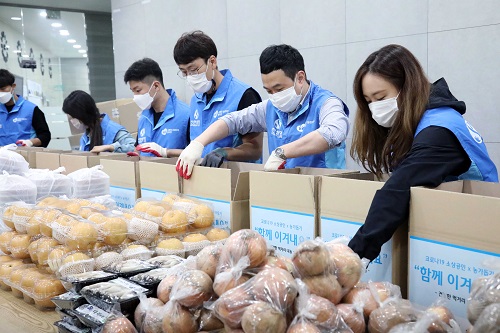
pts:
pixel 6 78
pixel 380 149
pixel 284 57
pixel 193 45
pixel 145 70
pixel 81 106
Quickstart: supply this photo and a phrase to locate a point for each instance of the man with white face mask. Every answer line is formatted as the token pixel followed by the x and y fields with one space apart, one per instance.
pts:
pixel 304 122
pixel 216 94
pixel 163 129
pixel 22 122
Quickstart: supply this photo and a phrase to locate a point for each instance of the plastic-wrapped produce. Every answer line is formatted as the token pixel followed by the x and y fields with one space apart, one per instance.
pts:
pixel 12 162
pixel 50 183
pixel 353 316
pixel 484 291
pixel 16 188
pixel 371 295
pixel 89 182
pixel 489 320
pixel 148 315
pixel 391 313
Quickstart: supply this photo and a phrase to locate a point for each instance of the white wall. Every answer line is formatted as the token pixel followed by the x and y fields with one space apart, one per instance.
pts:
pixel 52 86
pixel 75 75
pixel 455 39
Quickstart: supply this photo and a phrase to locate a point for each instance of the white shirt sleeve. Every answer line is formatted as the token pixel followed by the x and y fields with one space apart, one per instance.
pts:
pixel 333 122
pixel 249 120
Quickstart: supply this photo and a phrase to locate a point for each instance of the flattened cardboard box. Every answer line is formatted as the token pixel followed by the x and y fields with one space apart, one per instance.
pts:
pixel 124 177
pixel 158 177
pixel 226 189
pixel 453 230
pixel 284 206
pixel 345 201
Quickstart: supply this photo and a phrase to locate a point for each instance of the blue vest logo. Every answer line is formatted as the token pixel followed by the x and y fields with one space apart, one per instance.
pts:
pixel 277 124
pixel 164 131
pixel 143 131
pixel 475 135
pixel 18 120
pixel 300 128
pixel 196 114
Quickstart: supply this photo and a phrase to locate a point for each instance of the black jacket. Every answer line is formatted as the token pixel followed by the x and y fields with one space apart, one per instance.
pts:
pixel 435 154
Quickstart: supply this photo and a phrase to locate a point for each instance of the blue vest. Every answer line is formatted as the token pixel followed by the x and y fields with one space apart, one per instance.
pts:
pixel 16 124
pixel 280 132
pixel 109 131
pixel 482 168
pixel 171 130
pixel 225 100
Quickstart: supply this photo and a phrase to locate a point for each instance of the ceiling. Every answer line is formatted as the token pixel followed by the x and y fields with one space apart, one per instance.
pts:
pixel 39 30
pixel 103 6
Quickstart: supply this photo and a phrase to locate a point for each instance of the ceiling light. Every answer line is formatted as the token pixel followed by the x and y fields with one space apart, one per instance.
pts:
pixel 82 51
pixel 77 46
pixel 84 55
pixel 43 13
pixel 15 18
pixel 16 51
pixel 64 32
pixel 71 41
pixel 56 25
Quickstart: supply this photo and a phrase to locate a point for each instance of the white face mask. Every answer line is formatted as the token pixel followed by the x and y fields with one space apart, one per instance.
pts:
pixel 384 112
pixel 199 82
pixel 286 100
pixel 144 101
pixel 76 123
pixel 5 96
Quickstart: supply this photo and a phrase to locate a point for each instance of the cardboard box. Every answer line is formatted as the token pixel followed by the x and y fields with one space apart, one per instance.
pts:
pixel 226 189
pixel 345 201
pixel 29 154
pixel 158 177
pixel 129 116
pixel 124 177
pixel 453 230
pixel 78 160
pixel 47 160
pixel 74 141
pixel 284 206
pixel 110 109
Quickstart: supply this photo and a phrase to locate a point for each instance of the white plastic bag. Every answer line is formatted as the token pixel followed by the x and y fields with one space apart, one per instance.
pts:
pixel 12 162
pixel 16 188
pixel 50 183
pixel 89 182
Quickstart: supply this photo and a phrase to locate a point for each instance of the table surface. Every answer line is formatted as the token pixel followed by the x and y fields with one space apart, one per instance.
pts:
pixel 17 316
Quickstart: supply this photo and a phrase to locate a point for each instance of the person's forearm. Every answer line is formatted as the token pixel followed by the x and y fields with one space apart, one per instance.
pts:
pixel 249 150
pixel 36 142
pixel 311 144
pixel 215 132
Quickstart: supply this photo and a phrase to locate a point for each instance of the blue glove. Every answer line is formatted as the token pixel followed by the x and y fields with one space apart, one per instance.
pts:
pixel 215 158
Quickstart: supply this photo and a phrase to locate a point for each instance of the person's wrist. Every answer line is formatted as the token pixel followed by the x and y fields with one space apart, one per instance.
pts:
pixel 221 151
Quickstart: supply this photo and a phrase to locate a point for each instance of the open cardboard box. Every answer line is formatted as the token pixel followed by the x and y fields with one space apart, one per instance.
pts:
pixel 158 177
pixel 454 231
pixel 345 201
pixel 29 154
pixel 77 160
pixel 284 205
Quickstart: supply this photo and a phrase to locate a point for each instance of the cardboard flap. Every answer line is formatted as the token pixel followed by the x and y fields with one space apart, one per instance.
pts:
pixel 121 172
pixel 283 191
pixel 47 160
pixel 456 218
pixel 482 188
pixel 240 175
pixel 242 188
pixel 206 182
pixel 347 199
pixel 324 171
pixel 159 175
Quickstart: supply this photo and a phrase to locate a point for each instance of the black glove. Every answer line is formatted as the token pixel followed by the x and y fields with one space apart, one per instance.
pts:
pixel 215 158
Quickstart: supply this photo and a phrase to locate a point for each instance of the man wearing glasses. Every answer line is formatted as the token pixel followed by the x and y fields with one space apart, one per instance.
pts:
pixel 217 93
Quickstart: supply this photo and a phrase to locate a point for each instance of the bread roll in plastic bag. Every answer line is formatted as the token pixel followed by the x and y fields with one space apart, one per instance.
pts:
pixel 89 182
pixel 50 183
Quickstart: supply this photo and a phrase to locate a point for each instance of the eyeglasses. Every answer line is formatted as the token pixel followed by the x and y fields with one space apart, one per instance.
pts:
pixel 183 74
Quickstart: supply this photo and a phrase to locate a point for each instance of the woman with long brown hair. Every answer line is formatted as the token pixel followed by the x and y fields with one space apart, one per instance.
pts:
pixel 414 130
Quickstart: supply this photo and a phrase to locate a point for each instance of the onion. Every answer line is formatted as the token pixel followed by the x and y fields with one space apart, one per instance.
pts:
pixel 208 259
pixel 119 325
pixel 178 320
pixel 312 258
pixel 354 319
pixel 262 317
pixel 209 322
pixel 192 288
pixel 231 305
pixel 275 286
pixel 303 327
pixel 325 286
pixel 165 288
pixel 246 243
pixel 144 306
pixel 347 263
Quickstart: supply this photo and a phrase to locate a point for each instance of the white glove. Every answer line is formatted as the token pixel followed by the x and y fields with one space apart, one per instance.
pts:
pixel 25 143
pixel 153 148
pixel 274 162
pixel 190 156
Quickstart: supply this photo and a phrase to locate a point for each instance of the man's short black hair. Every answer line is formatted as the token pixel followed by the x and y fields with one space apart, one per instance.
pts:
pixel 193 45
pixel 145 70
pixel 284 57
pixel 6 78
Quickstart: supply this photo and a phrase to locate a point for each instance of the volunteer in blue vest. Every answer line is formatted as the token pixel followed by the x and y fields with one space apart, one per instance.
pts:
pixel 414 129
pixel 303 121
pixel 101 133
pixel 22 122
pixel 164 122
pixel 216 94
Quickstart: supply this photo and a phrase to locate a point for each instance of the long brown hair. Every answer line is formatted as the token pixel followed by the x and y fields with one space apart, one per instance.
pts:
pixel 380 149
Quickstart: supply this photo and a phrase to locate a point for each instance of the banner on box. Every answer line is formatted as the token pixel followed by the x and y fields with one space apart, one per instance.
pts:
pixel 124 197
pixel 152 194
pixel 222 211
pixel 379 269
pixel 284 230
pixel 444 270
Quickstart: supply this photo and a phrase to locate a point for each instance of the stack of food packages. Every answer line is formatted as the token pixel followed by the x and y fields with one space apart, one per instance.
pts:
pixel 58 242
